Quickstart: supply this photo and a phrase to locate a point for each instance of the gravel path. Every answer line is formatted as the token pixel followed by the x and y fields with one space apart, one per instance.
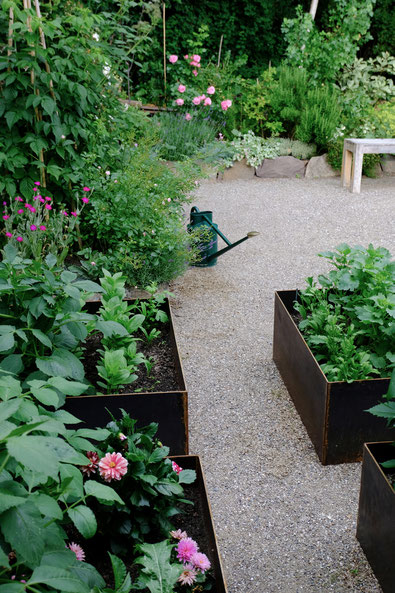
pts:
pixel 284 522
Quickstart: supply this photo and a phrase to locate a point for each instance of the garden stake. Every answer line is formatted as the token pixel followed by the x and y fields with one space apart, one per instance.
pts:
pixel 208 248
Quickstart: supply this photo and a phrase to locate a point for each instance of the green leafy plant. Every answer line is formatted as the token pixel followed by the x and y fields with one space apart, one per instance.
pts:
pixel 115 370
pixel 348 321
pixel 386 410
pixel 253 148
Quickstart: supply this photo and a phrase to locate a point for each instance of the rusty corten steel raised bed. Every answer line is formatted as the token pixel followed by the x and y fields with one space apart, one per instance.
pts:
pixel 333 412
pixel 376 514
pixel 194 462
pixel 168 408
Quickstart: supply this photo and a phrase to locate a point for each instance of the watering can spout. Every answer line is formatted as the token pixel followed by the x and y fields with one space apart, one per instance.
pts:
pixel 208 249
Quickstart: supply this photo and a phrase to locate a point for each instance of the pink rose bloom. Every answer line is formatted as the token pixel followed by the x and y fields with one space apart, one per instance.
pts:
pixel 200 561
pixel 193 63
pixel 47 198
pixel 188 116
pixel 211 90
pixel 226 104
pixel 207 101
pixel 186 57
pixel 202 97
pixel 35 188
pixel 186 548
pixel 173 59
pixel 181 88
pixel 196 100
pixel 78 551
pixel 195 72
pixel 196 57
pixel 180 102
pixel 113 466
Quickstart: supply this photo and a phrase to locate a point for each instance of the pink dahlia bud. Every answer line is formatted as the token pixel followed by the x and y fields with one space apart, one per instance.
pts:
pixel 20 211
pixel 122 437
pixel 86 188
pixel 90 468
pixel 179 534
pixel 5 217
pixel 181 88
pixel 113 466
pixel 211 90
pixel 186 548
pixel 179 102
pixel 200 561
pixel 78 551
pixel 176 467
pixel 173 59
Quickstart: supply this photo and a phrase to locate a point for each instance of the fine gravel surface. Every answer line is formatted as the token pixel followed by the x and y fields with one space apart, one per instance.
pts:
pixel 284 522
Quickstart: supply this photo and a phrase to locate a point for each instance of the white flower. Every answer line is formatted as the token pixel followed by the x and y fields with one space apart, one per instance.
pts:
pixel 95 36
pixel 108 173
pixel 63 137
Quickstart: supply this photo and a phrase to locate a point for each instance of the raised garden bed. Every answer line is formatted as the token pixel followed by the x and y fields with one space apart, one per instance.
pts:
pixel 376 515
pixel 334 413
pixel 167 407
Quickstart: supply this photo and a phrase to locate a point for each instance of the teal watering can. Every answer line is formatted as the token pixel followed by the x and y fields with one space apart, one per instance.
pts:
pixel 209 247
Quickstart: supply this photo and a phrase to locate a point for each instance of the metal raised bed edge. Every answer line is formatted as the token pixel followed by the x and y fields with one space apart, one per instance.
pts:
pixel 376 514
pixel 334 413
pixel 168 408
pixel 194 462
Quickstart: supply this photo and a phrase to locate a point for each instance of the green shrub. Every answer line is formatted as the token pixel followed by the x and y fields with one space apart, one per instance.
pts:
pixel 180 138
pixel 320 117
pixel 302 150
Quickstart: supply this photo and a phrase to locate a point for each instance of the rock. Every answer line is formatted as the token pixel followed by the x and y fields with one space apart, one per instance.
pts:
pixel 388 164
pixel 239 170
pixel 318 167
pixel 282 166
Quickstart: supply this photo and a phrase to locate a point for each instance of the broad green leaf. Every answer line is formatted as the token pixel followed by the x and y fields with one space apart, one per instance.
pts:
pixel 102 492
pixel 35 453
pixel 61 363
pixel 98 434
pixel 71 481
pixel 158 454
pixel 9 387
pixel 88 286
pixel 389 464
pixel 110 328
pixel 9 408
pixel 12 363
pixel 187 476
pixel 42 337
pixel 168 488
pixel 57 578
pixel 4 561
pixel 135 322
pixel 22 528
pixel 159 575
pixel 46 396
pixel 12 587
pixel 46 505
pixel 122 578
pixel 66 417
pixel 68 387
pixel 48 105
pixel 12 494
pixel 7 341
pixel 89 575
pixel 84 520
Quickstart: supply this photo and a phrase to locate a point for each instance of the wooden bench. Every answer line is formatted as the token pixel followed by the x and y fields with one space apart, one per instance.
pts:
pixel 352 167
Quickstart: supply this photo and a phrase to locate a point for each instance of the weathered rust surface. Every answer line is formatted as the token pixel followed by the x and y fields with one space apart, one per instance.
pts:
pixel 168 409
pixel 194 462
pixel 376 514
pixel 334 413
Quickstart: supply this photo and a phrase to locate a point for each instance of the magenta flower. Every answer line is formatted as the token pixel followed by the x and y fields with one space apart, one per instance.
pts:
pixel 37 183
pixel 181 88
pixel 73 213
pixel 186 548
pixel 188 575
pixel 19 239
pixel 42 227
pixel 226 104
pixel 200 561
pixel 176 467
pixel 195 72
pixel 41 200
pixel 85 200
pixel 20 211
pixel 36 188
pixel 48 207
pixel 65 213
pixel 196 57
pixel 47 198
pixel 78 551
pixel 207 101
pixel 18 199
pixel 180 102
pixel 5 217
pixel 4 203
pixel 90 468
pixel 86 189
pixel 8 235
pixel 211 90
pixel 33 227
pixel 173 59
pixel 196 100
pixel 122 437
pixel 188 116
pixel 32 209
pixel 38 196
pixel 113 466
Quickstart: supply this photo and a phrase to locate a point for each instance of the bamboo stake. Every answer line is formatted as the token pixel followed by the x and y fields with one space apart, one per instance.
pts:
pixel 10 33
pixel 220 48
pixel 164 45
pixel 44 45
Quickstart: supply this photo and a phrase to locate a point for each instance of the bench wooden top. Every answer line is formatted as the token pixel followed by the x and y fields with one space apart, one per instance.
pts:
pixel 371 144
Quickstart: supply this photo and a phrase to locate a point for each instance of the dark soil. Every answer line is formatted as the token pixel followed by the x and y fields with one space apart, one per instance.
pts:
pixel 163 376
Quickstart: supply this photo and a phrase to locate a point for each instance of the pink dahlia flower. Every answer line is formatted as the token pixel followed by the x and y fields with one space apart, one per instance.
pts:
pixel 188 116
pixel 188 575
pixel 78 551
pixel 174 465
pixel 207 101
pixel 200 561
pixel 90 468
pixel 181 88
pixel 186 548
pixel 180 102
pixel 113 466
pixel 178 534
pixel 173 59
pixel 196 100
pixel 211 90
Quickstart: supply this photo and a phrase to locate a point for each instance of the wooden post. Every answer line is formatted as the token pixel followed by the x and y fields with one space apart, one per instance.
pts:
pixel 164 45
pixel 220 48
pixel 313 8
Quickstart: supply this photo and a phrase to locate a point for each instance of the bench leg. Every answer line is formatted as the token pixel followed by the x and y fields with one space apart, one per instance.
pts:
pixel 346 167
pixel 357 171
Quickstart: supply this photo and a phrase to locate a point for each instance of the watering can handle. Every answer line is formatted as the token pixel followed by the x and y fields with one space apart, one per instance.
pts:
pixel 194 209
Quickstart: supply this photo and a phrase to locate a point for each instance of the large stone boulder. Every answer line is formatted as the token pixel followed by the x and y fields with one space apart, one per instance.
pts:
pixel 282 166
pixel 239 170
pixel 318 167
